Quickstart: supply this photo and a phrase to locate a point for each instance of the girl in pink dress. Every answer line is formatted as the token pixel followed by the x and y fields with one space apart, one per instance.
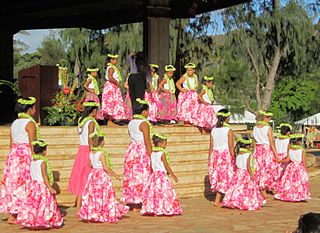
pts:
pixel 81 169
pixel 243 192
pixel 153 96
pixel 99 203
pixel 168 107
pixel 112 101
pixel 265 154
pixel 137 157
pixel 159 197
pixel 16 174
pixel 282 147
pixel 188 96
pixel 40 209
pixel 294 184
pixel 221 156
pixel 206 117
pixel 92 88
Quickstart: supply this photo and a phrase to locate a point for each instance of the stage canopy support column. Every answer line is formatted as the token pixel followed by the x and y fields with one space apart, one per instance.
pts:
pixel 156 41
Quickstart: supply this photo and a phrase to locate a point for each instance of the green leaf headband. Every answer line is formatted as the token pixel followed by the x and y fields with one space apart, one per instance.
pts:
pixel 190 65
pixel 112 55
pixel 169 68
pixel 161 136
pixel 39 143
pixel 91 104
pixel 31 101
pixel 92 69
pixel 247 142
pixel 208 78
pixel 286 124
pixel 267 114
pixel 297 135
pixel 154 66
pixel 224 114
pixel 98 133
pixel 140 101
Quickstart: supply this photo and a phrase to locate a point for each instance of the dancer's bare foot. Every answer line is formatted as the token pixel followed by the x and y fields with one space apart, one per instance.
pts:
pixel 217 204
pixel 12 219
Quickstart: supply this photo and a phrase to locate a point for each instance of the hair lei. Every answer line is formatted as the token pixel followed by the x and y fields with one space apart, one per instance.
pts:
pixel 31 101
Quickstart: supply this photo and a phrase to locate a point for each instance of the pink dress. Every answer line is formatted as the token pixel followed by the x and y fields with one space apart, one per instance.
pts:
pixel 159 197
pixel 93 97
pixel 112 100
pixel 205 114
pixel 153 98
pixel 294 184
pixel 168 106
pixel 221 165
pixel 136 165
pixel 80 170
pixel 16 175
pixel 264 159
pixel 99 203
pixel 243 192
pixel 187 102
pixel 282 150
pixel 40 208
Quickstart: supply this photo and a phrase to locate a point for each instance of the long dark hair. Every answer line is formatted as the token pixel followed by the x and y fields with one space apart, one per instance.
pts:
pixel 284 130
pixel 19 108
pixel 295 141
pixel 240 145
pixel 87 111
pixel 221 119
pixel 143 65
pixel 140 108
pixel 309 223
pixel 37 149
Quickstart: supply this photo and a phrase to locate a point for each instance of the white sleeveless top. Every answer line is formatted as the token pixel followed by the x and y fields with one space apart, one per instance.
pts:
pixel 94 158
pixel 282 145
pixel 205 97
pixel 134 131
pixel 261 135
pixel 295 155
pixel 156 162
pixel 91 85
pixel 154 81
pixel 18 131
pixel 35 170
pixel 242 161
pixel 192 82
pixel 114 75
pixel 220 138
pixel 84 133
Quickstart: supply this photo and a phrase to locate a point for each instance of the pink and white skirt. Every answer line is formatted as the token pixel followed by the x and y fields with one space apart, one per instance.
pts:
pixel 168 106
pixel 15 179
pixel 265 165
pixel 40 208
pixel 99 203
pixel 294 184
pixel 159 197
pixel 205 116
pixel 187 105
pixel 279 171
pixel 136 172
pixel 112 102
pixel 128 107
pixel 93 97
pixel 221 170
pixel 80 171
pixel 243 192
pixel 154 99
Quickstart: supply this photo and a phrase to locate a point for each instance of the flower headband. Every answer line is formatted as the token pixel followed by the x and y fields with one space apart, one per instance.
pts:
pixel 154 66
pixel 112 55
pixel 208 78
pixel 31 101
pixel 190 65
pixel 161 136
pixel 227 114
pixel 267 114
pixel 98 133
pixel 39 143
pixel 244 141
pixel 286 124
pixel 92 69
pixel 140 101
pixel 169 68
pixel 297 135
pixel 91 104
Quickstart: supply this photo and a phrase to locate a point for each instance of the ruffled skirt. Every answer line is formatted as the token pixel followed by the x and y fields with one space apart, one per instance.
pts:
pixel 154 99
pixel 187 105
pixel 168 110
pixel 205 116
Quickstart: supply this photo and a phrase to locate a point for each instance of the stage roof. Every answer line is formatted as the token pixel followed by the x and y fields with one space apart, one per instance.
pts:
pixel 18 15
